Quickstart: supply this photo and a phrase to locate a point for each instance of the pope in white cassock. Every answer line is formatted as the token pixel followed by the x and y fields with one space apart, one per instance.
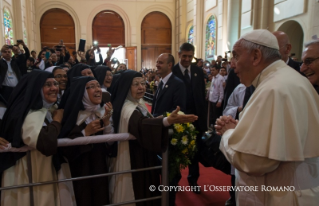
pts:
pixel 275 143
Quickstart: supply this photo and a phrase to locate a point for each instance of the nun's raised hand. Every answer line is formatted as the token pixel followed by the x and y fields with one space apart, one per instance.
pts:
pixel 58 115
pixel 180 118
pixel 93 127
pixel 3 143
pixel 108 113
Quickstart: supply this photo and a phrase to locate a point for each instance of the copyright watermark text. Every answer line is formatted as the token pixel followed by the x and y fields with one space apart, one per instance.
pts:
pixel 213 188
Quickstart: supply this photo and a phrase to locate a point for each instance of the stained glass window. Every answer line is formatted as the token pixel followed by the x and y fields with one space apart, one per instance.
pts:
pixel 210 43
pixel 25 35
pixel 191 35
pixel 8 32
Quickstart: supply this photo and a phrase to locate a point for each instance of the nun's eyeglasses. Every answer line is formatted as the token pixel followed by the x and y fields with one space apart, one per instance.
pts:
pixel 50 84
pixel 60 76
pixel 93 86
pixel 136 84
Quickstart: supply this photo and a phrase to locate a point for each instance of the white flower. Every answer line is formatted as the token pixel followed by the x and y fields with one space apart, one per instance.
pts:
pixel 184 140
pixel 174 141
pixel 180 112
pixel 191 127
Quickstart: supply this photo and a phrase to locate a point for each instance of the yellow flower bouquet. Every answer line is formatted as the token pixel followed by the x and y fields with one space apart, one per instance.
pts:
pixel 182 147
pixel 152 84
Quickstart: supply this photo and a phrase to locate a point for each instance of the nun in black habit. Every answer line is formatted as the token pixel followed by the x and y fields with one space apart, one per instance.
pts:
pixel 86 115
pixel 79 70
pixel 76 71
pixel 104 76
pixel 131 115
pixel 28 121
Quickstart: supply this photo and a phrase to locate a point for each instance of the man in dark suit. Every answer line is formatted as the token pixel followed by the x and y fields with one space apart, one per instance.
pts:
pixel 21 58
pixel 193 78
pixel 231 83
pixel 170 93
pixel 9 72
pixel 285 48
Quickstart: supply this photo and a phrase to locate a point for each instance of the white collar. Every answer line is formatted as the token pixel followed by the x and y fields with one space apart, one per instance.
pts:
pixel 256 80
pixel 88 105
pixel 6 60
pixel 183 68
pixel 215 77
pixel 165 79
pixel 287 61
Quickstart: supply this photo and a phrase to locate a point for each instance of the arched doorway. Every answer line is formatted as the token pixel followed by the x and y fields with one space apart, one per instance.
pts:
pixel 156 38
pixel 108 29
pixel 57 24
pixel 296 35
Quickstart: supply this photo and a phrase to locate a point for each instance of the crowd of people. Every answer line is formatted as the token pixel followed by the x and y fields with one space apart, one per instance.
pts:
pixel 60 97
pixel 262 103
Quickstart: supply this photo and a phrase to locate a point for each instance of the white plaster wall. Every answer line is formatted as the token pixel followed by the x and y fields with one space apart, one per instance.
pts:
pixel 189 17
pixel 212 8
pixel 308 20
pixel 190 10
pixel 288 8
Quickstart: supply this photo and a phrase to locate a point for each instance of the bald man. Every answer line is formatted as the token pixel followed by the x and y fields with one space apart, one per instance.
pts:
pixel 285 48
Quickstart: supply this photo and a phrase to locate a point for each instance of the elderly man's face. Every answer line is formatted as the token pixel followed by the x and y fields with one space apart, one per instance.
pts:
pixel 310 66
pixel 243 59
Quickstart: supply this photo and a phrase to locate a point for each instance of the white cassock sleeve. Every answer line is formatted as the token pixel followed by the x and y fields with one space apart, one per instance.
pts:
pixel 247 163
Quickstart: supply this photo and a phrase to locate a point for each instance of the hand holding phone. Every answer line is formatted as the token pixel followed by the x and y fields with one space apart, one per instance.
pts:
pixel 47 55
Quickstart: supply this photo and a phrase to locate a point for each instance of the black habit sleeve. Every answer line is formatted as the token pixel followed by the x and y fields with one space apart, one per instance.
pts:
pixel 149 132
pixel 72 152
pixel 47 141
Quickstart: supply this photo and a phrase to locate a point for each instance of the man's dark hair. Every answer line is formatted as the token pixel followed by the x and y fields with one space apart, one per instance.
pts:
pixel 217 68
pixel 170 59
pixel 186 47
pixel 5 47
pixel 33 51
pixel 31 59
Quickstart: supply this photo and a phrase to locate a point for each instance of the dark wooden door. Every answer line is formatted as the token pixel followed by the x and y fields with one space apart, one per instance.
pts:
pixel 156 32
pixel 57 24
pixel 131 57
pixel 108 28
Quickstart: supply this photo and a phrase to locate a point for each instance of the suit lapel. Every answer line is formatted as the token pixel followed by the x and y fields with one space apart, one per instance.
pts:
pixel 177 72
pixel 165 87
pixel 194 78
